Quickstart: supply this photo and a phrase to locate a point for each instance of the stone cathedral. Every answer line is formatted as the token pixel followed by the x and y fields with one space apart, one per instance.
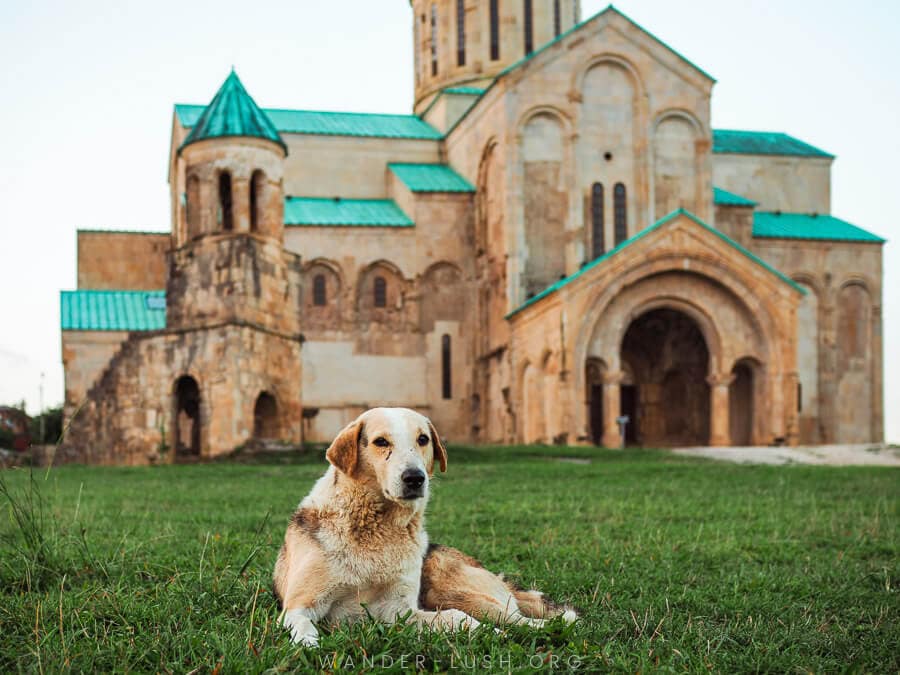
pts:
pixel 556 237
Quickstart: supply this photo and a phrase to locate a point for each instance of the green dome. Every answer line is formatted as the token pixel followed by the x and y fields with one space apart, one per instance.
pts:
pixel 233 113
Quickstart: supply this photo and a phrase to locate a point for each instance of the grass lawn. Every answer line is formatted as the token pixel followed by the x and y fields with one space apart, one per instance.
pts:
pixel 679 564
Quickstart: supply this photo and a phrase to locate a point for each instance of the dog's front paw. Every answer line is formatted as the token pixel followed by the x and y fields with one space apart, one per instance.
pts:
pixel 303 632
pixel 304 639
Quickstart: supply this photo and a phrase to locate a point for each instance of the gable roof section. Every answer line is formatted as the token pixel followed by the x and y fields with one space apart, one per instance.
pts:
pixel 431 178
pixel 324 123
pixel 233 113
pixel 733 141
pixel 86 310
pixel 640 235
pixel 725 198
pixel 775 225
pixel 579 26
pixel 338 212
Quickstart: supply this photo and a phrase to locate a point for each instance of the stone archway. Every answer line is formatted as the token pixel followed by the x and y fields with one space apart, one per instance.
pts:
pixel 187 417
pixel 265 417
pixel 668 397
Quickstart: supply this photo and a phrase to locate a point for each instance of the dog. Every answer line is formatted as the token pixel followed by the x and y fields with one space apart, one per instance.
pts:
pixel 357 545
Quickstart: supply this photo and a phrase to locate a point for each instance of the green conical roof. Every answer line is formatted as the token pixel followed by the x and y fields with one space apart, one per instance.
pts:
pixel 232 112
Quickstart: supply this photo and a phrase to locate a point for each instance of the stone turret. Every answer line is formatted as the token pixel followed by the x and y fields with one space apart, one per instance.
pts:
pixel 469 42
pixel 229 264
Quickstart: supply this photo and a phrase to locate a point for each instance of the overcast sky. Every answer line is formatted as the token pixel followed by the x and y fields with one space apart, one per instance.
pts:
pixel 87 88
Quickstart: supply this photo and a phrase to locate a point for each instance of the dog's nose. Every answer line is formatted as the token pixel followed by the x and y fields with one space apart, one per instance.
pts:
pixel 413 479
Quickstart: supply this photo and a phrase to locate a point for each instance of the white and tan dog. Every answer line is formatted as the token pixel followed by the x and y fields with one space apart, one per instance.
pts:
pixel 357 542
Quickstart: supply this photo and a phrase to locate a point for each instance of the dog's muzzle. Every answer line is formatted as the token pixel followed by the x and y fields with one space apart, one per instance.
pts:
pixel 413 483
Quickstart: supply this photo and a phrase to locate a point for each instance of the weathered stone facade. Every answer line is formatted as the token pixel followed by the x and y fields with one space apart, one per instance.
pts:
pixel 588 271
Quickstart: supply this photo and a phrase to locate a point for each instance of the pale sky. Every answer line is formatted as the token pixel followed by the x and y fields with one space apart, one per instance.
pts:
pixel 88 88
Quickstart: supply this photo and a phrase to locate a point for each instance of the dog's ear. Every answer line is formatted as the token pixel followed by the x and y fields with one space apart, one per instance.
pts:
pixel 440 452
pixel 344 450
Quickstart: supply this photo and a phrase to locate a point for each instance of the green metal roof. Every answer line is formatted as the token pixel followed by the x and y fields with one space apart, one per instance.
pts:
pixel 465 91
pixel 776 225
pixel 732 141
pixel 338 212
pixel 113 310
pixel 431 178
pixel 333 123
pixel 233 113
pixel 640 235
pixel 725 198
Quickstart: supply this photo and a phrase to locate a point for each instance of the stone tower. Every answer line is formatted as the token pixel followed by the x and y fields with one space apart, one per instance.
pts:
pixel 469 42
pixel 228 264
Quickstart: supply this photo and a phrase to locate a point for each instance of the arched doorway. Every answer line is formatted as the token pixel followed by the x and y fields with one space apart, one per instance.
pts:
pixel 265 417
pixel 666 396
pixel 187 417
pixel 740 404
pixel 594 373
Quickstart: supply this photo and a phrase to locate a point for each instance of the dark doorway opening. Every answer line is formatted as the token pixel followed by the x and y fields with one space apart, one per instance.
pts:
pixel 740 404
pixel 597 414
pixel 667 396
pixel 265 418
pixel 629 408
pixel 187 417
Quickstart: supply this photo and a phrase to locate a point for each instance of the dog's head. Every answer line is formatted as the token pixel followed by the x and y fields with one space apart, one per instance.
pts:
pixel 394 449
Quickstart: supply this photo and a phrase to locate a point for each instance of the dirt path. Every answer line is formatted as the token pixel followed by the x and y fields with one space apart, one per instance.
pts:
pixel 830 455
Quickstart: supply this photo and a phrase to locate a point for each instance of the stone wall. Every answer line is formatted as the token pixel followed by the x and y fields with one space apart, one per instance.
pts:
pixel 122 260
pixel 130 414
pixel 841 339
pixel 359 354
pixel 85 355
pixel 776 183
pixel 233 278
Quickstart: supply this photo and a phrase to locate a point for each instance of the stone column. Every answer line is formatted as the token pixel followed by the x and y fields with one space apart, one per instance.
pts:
pixel 719 428
pixel 240 203
pixel 612 399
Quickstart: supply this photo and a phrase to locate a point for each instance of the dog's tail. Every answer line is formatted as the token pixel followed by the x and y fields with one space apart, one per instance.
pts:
pixel 536 605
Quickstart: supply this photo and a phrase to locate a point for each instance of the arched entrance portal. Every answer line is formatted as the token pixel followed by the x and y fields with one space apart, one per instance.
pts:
pixel 265 417
pixel 187 417
pixel 665 393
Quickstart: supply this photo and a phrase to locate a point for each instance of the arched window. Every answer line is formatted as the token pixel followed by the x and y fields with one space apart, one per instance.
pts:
pixel 557 19
pixel 620 213
pixel 257 185
pixel 380 288
pixel 434 47
pixel 446 370
pixel 226 215
pixel 460 32
pixel 495 30
pixel 320 294
pixel 529 27
pixel 597 220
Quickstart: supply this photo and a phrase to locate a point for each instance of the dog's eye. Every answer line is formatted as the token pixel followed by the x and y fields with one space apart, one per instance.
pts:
pixel 381 442
pixel 423 440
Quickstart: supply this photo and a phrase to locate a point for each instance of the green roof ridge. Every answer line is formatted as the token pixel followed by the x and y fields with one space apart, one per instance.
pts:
pixel 809 226
pixel 640 235
pixel 723 197
pixel 743 142
pixel 578 26
pixel 341 212
pixel 465 91
pixel 233 113
pixel 430 177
